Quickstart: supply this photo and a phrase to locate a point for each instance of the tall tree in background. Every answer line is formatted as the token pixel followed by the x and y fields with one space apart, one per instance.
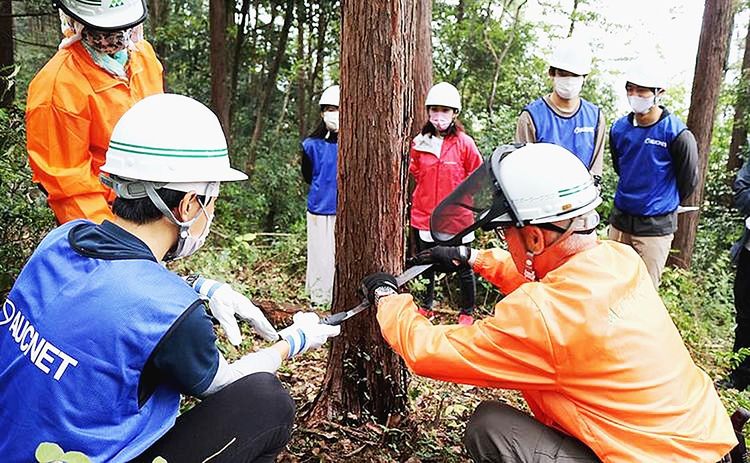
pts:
pixel 264 98
pixel 7 61
pixel 739 127
pixel 219 12
pixel 364 376
pixel 712 49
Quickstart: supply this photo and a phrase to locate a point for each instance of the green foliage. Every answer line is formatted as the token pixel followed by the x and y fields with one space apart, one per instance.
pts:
pixel 24 215
pixel 48 452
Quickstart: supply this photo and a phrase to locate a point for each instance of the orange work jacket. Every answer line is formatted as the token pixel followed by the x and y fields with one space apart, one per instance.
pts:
pixel 72 107
pixel 591 347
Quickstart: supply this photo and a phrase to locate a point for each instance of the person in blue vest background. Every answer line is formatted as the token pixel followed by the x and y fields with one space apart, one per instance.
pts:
pixel 563 117
pixel 98 339
pixel 319 156
pixel 656 157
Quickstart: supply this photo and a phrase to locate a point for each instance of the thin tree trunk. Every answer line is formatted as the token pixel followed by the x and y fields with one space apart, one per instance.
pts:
pixel 270 86
pixel 158 15
pixel 7 59
pixel 712 48
pixel 315 83
pixel 364 376
pixel 501 57
pixel 237 59
pixel 301 71
pixel 573 17
pixel 739 129
pixel 218 18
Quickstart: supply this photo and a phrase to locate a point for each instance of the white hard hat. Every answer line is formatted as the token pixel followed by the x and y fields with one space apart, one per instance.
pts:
pixel 444 94
pixel 533 184
pixel 646 72
pixel 544 183
pixel 169 138
pixel 572 55
pixel 105 14
pixel 330 96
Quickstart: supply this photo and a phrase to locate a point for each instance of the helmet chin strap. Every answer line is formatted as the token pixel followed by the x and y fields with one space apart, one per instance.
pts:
pixel 183 226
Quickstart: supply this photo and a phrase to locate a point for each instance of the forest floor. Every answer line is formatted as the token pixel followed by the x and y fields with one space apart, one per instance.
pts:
pixel 271 272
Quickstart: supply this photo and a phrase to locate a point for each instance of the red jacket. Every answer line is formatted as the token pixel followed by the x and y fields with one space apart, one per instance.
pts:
pixel 436 178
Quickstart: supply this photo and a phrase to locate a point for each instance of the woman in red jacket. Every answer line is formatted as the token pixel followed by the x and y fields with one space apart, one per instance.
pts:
pixel 441 157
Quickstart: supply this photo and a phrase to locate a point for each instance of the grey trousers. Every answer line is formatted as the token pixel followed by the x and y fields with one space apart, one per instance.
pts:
pixel 498 433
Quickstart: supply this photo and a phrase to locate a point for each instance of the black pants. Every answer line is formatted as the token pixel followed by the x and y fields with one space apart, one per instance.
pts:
pixel 466 283
pixel 741 374
pixel 498 433
pixel 248 421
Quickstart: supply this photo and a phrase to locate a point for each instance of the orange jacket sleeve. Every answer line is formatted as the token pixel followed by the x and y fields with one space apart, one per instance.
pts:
pixel 497 267
pixel 493 352
pixel 58 146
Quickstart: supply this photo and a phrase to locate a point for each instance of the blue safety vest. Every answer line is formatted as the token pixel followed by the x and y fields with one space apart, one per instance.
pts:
pixel 576 133
pixel 75 335
pixel 321 199
pixel 647 185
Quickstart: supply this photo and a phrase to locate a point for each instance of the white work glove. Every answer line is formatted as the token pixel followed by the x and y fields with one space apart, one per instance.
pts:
pixel 224 303
pixel 307 333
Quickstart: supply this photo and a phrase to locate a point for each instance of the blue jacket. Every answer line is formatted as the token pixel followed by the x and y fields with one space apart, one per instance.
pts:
pixel 576 133
pixel 322 154
pixel 75 334
pixel 648 180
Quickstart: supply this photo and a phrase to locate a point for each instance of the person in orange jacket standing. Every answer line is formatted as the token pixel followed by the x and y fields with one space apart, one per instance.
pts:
pixel 581 332
pixel 101 69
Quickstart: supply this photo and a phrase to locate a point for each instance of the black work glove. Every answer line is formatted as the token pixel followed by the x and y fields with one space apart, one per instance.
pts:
pixel 445 258
pixel 377 285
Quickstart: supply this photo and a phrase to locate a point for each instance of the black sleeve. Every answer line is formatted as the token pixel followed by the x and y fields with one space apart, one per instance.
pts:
pixel 742 190
pixel 684 151
pixel 614 154
pixel 186 357
pixel 307 166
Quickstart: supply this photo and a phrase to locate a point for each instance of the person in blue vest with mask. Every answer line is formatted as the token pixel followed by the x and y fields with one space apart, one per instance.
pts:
pixel 98 339
pixel 563 117
pixel 319 156
pixel 656 157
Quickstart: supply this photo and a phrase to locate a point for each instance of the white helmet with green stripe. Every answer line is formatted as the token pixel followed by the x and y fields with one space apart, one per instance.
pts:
pixel 169 138
pixel 519 185
pixel 105 15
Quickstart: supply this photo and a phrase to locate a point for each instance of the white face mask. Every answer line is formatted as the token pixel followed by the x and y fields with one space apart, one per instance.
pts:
pixel 640 104
pixel 331 119
pixel 568 87
pixel 188 244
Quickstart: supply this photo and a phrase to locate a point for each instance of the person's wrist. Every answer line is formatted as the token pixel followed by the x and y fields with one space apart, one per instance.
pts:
pixel 473 254
pixel 381 292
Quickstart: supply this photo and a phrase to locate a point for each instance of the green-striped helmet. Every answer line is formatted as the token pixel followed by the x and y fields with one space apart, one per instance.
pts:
pixel 105 14
pixel 169 138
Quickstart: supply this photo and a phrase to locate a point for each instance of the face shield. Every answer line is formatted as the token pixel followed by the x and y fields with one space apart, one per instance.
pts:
pixel 476 203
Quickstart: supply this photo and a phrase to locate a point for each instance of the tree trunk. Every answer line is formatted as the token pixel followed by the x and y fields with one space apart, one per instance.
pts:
pixel 218 18
pixel 7 60
pixel 269 87
pixel 237 58
pixel 301 70
pixel 739 130
pixel 573 17
pixel 712 48
pixel 158 15
pixel 365 378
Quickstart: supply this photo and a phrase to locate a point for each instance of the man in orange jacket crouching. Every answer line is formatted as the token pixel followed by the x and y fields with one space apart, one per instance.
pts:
pixel 581 332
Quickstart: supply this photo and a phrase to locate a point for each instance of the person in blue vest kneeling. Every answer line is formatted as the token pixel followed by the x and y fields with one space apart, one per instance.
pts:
pixel 563 117
pixel 98 339
pixel 656 157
